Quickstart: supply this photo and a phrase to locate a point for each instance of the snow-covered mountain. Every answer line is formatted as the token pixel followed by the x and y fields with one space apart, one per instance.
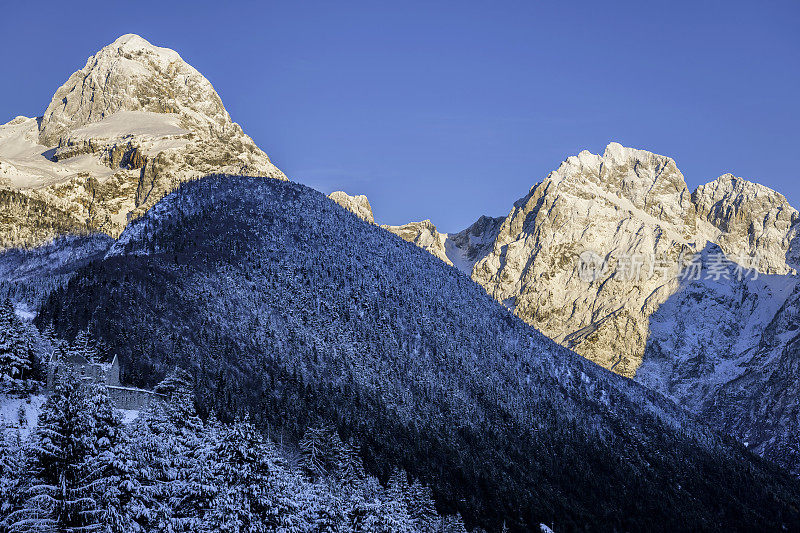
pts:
pixel 633 210
pixel 120 133
pixel 287 307
pixel 628 217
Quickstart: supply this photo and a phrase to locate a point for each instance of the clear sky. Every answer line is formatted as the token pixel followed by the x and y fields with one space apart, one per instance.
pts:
pixel 447 110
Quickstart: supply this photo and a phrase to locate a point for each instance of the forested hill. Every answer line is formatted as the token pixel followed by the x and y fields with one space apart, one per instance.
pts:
pixel 287 307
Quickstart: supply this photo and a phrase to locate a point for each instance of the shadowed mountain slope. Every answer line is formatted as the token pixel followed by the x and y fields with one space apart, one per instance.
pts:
pixel 289 308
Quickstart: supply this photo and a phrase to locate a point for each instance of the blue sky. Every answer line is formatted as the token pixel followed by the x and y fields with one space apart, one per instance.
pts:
pixel 448 110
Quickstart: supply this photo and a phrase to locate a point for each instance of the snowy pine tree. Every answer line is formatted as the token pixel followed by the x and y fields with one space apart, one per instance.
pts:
pixel 421 507
pixel 84 346
pixel 316 450
pixel 172 448
pixel 257 491
pixel 57 495
pixel 177 382
pixel 20 365
pixel 108 475
pixel 12 470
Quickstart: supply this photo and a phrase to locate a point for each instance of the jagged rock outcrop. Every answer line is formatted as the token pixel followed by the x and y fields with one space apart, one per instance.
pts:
pixel 461 250
pixel 469 246
pixel 358 205
pixel 750 218
pixel 425 235
pixel 123 131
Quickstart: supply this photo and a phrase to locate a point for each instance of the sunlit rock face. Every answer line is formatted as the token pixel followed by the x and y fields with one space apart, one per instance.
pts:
pixel 359 205
pixel 123 131
pixel 425 235
pixel 749 218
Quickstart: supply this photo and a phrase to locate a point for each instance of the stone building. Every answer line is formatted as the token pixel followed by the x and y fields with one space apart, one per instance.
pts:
pixel 103 373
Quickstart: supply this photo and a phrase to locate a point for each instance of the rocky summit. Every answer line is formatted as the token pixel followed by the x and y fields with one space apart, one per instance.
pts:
pixel 120 133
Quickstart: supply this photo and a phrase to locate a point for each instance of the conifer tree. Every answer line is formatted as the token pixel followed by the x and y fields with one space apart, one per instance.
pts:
pixel 315 447
pixel 20 367
pixel 257 492
pixel 172 448
pixel 84 346
pixel 57 497
pixel 421 507
pixel 108 475
pixel 12 470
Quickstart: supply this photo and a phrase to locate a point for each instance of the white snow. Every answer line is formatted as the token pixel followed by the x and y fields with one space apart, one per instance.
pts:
pixel 131 43
pixel 29 408
pixel 776 289
pixel 22 311
pixel 457 256
pixel 146 124
pixel 129 415
pixel 24 162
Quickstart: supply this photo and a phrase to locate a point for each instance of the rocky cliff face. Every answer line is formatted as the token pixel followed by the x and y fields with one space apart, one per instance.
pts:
pixel 461 250
pixel 119 134
pixel 359 205
pixel 624 204
pixel 425 235
pixel 749 218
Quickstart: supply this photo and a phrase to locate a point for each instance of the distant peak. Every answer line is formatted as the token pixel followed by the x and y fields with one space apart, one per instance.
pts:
pixel 130 74
pixel 734 186
pixel 616 150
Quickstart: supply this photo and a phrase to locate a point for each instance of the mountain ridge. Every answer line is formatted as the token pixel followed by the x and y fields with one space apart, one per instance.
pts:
pixel 307 311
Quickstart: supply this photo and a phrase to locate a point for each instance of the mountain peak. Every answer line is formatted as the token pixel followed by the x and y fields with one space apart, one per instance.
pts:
pixel 136 120
pixel 131 43
pixel 131 39
pixel 627 178
pixel 618 152
pixel 131 74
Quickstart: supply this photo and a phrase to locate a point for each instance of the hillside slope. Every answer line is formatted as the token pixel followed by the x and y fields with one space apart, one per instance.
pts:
pixel 289 308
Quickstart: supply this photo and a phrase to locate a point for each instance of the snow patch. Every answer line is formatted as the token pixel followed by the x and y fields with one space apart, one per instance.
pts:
pixel 129 415
pixel 145 124
pixel 20 415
